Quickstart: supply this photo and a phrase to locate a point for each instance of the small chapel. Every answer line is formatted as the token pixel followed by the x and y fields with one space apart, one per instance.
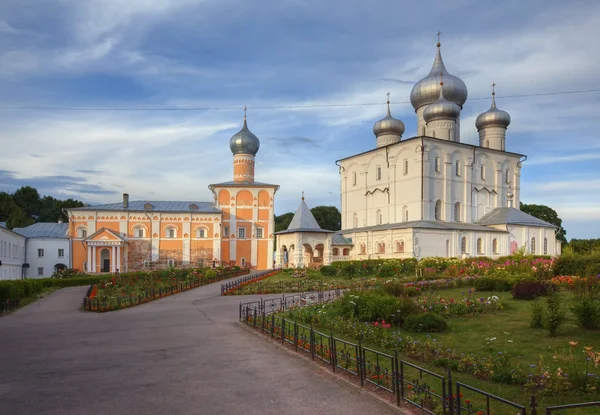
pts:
pixel 426 196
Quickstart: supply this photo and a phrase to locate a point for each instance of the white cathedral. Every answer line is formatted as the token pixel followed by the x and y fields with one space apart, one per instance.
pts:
pixel 428 195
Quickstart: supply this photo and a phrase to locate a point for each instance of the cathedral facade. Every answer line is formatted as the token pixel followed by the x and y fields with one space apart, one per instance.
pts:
pixel 236 227
pixel 428 195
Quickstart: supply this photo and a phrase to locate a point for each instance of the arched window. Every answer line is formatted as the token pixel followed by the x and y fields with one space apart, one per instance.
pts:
pixel 507 176
pixel 378 218
pixel 437 165
pixel 82 232
pixel 533 245
pixel 381 248
pixel 495 246
pixel 201 233
pixel 139 231
pixel 457 212
pixel 463 245
pixel 447 248
pixel 438 210
pixel 378 172
pixel 170 232
pixel 243 262
pixel 483 172
pixel 545 246
pixel 405 213
pixel 363 249
pixel 346 251
pixel 479 246
pixel 405 167
pixel 457 168
pixel 400 246
pixel 354 179
pixel 336 252
pixel 355 220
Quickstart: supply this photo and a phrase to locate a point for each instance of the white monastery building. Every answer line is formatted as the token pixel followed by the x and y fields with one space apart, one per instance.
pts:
pixel 428 195
pixel 48 248
pixel 12 254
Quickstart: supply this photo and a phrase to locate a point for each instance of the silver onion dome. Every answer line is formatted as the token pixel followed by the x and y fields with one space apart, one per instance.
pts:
pixel 442 109
pixel 388 125
pixel 427 90
pixel 244 141
pixel 493 117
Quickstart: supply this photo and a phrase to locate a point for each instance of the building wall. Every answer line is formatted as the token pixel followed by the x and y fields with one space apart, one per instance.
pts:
pixel 49 260
pixel 523 236
pixel 12 255
pixel 369 197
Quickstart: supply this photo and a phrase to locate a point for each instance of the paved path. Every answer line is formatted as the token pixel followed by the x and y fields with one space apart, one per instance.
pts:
pixel 183 354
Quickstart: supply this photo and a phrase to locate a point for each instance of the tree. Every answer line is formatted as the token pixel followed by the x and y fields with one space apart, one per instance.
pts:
pixel 584 246
pixel 283 221
pixel 328 217
pixel 546 214
pixel 11 213
pixel 28 199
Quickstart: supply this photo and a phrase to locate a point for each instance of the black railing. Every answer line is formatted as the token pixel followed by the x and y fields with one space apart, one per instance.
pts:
pixel 412 384
pixel 241 282
pixel 7 306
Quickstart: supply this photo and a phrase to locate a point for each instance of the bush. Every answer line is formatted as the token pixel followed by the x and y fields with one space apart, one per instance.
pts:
pixel 579 265
pixel 427 322
pixel 529 290
pixel 587 312
pixel 555 314
pixel 537 315
pixel 492 284
pixel 328 270
pixel 28 287
pixel 395 288
pixel 370 306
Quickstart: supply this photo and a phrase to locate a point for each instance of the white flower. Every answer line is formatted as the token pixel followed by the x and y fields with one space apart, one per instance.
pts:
pixel 510 341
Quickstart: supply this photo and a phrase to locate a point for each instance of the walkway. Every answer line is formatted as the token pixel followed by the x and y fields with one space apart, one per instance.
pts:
pixel 183 354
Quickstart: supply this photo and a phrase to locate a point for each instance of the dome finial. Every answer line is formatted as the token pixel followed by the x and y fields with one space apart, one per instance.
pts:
pixel 388 104
pixel 438 35
pixel 303 195
pixel 493 95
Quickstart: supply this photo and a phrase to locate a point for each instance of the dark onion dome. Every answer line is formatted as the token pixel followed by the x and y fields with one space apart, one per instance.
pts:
pixel 493 117
pixel 244 141
pixel 441 109
pixel 388 125
pixel 427 90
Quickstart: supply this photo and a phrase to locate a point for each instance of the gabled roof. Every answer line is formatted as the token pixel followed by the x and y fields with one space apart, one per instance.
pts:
pixel 156 206
pixel 512 216
pixel 339 239
pixel 44 230
pixel 425 224
pixel 116 235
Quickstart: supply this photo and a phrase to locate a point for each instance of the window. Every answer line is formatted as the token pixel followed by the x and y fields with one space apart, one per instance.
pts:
pixel 85 268
pixel 171 233
pixel 354 179
pixel 457 212
pixel 479 246
pixel 438 210
pixel 200 233
pixel 170 263
pixel 406 215
pixel 61 253
pixel 40 271
pixel 259 233
pixel 363 249
pixel 84 233
pixel 381 248
pixel 405 166
pixel 242 233
pixel 457 166
pixel 40 253
pixel 495 246
pixel 378 173
pixel 483 172
pixel 140 233
pixel 507 179
pixel 437 164
pixel 463 245
pixel 378 218
pixel 533 245
pixel 81 232
pixel 243 261
pixel 226 231
pixel 400 246
pixel 545 246
pixel 346 251
pixel 336 252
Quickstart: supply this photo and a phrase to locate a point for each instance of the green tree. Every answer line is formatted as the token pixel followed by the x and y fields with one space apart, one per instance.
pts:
pixel 283 221
pixel 28 199
pixel 328 217
pixel 547 214
pixel 11 213
pixel 584 246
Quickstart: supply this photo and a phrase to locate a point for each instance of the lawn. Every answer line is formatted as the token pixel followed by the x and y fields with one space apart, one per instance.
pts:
pixel 500 335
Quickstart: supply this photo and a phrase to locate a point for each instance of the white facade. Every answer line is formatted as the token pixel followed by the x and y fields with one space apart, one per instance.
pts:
pixel 12 254
pixel 45 255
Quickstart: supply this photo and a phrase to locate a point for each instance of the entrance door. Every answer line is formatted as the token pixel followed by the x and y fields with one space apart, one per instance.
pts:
pixel 105 260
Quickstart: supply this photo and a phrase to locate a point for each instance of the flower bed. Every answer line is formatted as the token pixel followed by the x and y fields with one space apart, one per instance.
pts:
pixel 128 290
pixel 237 286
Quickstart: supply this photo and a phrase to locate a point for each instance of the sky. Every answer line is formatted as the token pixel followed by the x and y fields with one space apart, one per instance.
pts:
pixel 205 59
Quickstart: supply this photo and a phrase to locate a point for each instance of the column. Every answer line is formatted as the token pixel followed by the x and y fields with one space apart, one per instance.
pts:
pixel 119 258
pixel 88 266
pixel 94 258
pixel 113 263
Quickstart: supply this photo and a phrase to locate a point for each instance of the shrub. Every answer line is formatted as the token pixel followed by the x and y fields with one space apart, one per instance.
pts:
pixel 587 312
pixel 372 306
pixel 537 315
pixel 555 314
pixel 427 322
pixel 576 264
pixel 328 270
pixel 492 284
pixel 395 288
pixel 528 290
pixel 68 273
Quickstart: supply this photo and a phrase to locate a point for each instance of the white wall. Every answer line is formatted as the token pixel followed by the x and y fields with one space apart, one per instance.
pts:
pixel 12 254
pixel 50 258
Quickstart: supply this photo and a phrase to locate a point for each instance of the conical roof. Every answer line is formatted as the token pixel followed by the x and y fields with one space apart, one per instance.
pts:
pixel 303 219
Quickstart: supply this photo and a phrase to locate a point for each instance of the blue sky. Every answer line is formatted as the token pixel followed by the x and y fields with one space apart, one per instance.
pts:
pixel 231 53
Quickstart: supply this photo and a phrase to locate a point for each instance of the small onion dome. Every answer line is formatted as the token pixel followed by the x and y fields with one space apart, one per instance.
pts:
pixel 388 125
pixel 427 90
pixel 492 117
pixel 244 141
pixel 441 109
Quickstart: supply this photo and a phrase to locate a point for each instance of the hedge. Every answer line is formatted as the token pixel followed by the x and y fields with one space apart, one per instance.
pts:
pixel 14 289
pixel 579 265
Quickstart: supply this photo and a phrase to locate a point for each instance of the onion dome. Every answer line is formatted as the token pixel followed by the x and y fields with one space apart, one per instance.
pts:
pixel 427 90
pixel 441 109
pixel 244 141
pixel 493 117
pixel 388 124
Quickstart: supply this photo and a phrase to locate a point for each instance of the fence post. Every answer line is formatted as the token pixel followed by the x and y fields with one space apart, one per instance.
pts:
pixel 312 342
pixel 533 405
pixel 449 394
pixel 240 311
pixel 396 377
pixel 332 350
pixel 282 330
pixel 272 325
pixel 296 334
pixel 359 363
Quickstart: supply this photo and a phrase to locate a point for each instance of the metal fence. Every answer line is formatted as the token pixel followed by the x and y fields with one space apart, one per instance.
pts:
pixel 241 282
pixel 408 383
pixel 7 306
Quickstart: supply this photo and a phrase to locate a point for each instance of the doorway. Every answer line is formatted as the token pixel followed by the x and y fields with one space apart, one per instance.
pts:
pixel 105 260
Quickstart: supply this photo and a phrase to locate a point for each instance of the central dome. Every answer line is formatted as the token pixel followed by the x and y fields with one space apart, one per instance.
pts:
pixel 244 141
pixel 427 90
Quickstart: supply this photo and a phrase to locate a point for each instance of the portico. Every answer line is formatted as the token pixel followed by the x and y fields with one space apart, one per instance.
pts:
pixel 104 251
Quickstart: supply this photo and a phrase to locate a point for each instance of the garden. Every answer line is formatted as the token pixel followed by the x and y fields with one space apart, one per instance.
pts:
pixel 510 327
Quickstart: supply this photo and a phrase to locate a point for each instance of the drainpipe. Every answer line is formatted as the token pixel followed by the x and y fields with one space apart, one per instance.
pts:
pixel 70 240
pixel 422 179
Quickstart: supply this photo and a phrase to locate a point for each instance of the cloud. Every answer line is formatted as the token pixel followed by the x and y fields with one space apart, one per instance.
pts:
pixel 539 160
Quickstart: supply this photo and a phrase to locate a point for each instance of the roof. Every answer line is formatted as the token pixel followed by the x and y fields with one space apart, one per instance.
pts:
pixel 512 216
pixel 303 221
pixel 426 224
pixel 158 206
pixel 339 239
pixel 243 184
pixel 44 230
